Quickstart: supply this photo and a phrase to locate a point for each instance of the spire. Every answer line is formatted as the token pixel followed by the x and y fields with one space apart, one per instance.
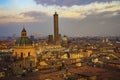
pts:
pixel 23 33
pixel 23 29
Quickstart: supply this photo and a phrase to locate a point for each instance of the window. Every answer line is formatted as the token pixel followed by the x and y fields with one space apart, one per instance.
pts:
pixel 15 54
pixel 20 65
pixel 28 53
pixel 21 54
pixel 30 64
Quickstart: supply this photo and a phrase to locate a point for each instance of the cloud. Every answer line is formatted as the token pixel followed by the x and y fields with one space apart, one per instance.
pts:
pixel 38 16
pixel 69 2
pixel 6 17
pixel 82 11
pixel 42 13
pixel 93 25
pixel 70 9
pixel 15 18
pixel 58 2
pixel 110 14
pixel 35 14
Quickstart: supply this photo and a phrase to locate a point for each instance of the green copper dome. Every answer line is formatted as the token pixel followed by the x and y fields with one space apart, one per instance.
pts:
pixel 24 41
pixel 65 38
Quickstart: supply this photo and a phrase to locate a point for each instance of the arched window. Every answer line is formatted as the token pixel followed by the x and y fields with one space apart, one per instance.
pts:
pixel 21 54
pixel 15 54
pixel 28 53
pixel 20 65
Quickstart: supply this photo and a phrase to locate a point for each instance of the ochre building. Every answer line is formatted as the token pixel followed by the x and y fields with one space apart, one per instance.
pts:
pixel 24 52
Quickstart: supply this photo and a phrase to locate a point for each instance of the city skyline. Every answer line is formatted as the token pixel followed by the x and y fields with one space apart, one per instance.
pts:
pixel 76 17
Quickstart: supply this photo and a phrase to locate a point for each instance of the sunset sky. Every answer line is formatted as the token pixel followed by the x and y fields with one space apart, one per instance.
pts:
pixel 76 17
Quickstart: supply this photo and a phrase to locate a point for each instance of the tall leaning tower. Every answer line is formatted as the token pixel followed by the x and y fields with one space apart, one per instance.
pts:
pixel 56 29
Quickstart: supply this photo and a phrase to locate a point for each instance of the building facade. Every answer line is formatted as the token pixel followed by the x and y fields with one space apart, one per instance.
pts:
pixel 50 39
pixel 24 52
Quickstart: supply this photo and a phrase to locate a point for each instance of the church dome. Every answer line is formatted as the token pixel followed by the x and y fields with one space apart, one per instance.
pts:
pixel 65 38
pixel 24 41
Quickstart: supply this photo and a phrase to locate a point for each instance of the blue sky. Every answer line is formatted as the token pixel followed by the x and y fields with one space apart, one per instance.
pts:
pixel 4 2
pixel 76 17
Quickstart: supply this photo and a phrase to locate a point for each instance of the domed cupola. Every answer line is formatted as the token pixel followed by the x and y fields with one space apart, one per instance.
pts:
pixel 23 33
pixel 23 40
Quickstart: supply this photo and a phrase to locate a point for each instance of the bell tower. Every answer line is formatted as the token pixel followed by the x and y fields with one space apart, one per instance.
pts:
pixel 23 33
pixel 56 29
